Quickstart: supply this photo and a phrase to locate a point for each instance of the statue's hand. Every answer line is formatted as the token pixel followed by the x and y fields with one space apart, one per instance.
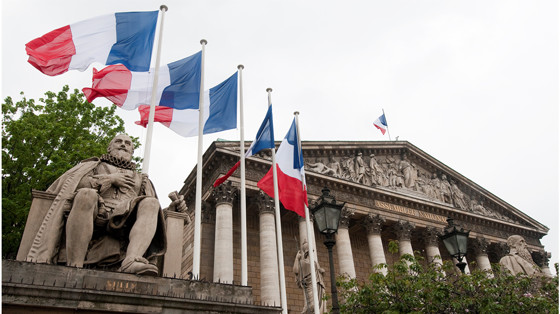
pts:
pixel 178 202
pixel 121 180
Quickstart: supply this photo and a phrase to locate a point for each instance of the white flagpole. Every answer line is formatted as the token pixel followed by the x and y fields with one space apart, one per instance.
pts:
pixel 388 133
pixel 279 245
pixel 149 130
pixel 243 192
pixel 198 201
pixel 310 237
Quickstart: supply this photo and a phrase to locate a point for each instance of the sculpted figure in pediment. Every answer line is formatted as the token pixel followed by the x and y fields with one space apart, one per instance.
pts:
pixel 408 172
pixel 360 168
pixel 396 179
pixel 458 196
pixel 376 172
pixel 446 190
pixel 348 169
pixel 321 168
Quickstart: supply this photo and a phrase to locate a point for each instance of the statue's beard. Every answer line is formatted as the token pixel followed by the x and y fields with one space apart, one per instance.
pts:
pixel 525 254
pixel 121 154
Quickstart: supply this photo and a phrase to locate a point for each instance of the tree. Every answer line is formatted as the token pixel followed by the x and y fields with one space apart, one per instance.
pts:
pixel 411 286
pixel 42 141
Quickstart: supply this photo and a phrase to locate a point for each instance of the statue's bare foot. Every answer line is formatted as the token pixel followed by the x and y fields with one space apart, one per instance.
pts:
pixel 139 266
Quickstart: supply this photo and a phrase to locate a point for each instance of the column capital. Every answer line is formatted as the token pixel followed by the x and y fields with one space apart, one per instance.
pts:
pixel 345 216
pixel 404 228
pixel 480 245
pixel 265 203
pixel 224 193
pixel 373 223
pixel 431 236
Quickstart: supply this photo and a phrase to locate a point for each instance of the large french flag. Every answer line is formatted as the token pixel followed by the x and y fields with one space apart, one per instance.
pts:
pixel 291 175
pixel 178 85
pixel 125 38
pixel 263 140
pixel 220 112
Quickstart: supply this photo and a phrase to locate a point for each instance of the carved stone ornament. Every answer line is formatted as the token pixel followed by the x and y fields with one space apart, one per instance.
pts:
pixel 266 203
pixel 224 193
pixel 373 223
pixel 431 236
pixel 404 229
pixel 400 173
pixel 345 216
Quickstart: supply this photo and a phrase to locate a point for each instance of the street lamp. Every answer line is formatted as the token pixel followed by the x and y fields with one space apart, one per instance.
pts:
pixel 455 240
pixel 326 213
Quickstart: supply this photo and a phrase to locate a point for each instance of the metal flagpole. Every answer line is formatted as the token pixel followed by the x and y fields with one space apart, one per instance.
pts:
pixel 279 245
pixel 198 201
pixel 310 237
pixel 243 192
pixel 149 130
pixel 389 133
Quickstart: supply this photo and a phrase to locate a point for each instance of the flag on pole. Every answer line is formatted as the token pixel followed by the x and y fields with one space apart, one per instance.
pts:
pixel 220 112
pixel 178 85
pixel 291 174
pixel 263 140
pixel 381 123
pixel 126 38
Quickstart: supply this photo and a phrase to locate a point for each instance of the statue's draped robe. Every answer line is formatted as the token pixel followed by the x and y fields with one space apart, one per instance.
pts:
pixel 105 249
pixel 517 264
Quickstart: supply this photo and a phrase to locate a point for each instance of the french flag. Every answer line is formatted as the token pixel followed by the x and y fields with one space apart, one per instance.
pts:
pixel 178 85
pixel 125 38
pixel 291 174
pixel 220 112
pixel 381 124
pixel 263 140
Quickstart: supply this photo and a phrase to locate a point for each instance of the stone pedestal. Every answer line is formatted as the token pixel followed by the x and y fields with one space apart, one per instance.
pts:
pixel 174 255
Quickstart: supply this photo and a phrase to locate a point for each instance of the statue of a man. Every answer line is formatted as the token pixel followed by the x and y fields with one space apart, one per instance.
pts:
pixel 302 270
pixel 519 259
pixel 113 216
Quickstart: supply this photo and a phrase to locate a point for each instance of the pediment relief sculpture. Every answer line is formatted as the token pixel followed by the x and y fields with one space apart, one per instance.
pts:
pixel 400 173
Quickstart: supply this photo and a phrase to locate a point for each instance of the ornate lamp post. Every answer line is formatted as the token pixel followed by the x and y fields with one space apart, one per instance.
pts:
pixel 326 213
pixel 455 240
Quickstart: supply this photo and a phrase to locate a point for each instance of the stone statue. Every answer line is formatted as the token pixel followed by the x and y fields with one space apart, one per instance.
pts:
pixel 335 166
pixel 360 168
pixel 113 216
pixel 519 260
pixel 376 172
pixel 409 174
pixel 445 190
pixel 458 196
pixel 302 270
pixel 321 168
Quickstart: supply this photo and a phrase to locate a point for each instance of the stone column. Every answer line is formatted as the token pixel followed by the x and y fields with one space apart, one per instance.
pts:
pixel 373 224
pixel 343 246
pixel 270 285
pixel 208 232
pixel 403 229
pixel 173 258
pixel 223 245
pixel 480 245
pixel 431 240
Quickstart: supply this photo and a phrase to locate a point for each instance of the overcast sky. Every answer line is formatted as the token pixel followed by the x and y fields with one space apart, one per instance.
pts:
pixel 472 83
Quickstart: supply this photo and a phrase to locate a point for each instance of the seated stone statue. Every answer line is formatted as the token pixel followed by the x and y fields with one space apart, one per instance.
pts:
pixel 104 213
pixel 519 259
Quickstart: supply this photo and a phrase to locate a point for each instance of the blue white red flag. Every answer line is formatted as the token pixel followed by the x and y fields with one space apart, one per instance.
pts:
pixel 381 124
pixel 125 38
pixel 263 140
pixel 292 191
pixel 178 85
pixel 220 112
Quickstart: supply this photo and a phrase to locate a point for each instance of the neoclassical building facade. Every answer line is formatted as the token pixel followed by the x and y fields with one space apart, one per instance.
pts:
pixel 393 191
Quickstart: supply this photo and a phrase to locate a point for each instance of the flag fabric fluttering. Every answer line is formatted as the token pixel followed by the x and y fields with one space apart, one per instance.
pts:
pixel 126 38
pixel 263 140
pixel 292 191
pixel 220 112
pixel 381 124
pixel 178 85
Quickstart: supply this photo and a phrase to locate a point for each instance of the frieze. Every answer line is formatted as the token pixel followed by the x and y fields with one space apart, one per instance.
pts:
pixel 396 171
pixel 410 211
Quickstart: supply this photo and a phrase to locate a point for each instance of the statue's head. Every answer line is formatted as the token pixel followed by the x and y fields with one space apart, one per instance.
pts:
pixel 516 242
pixel 121 146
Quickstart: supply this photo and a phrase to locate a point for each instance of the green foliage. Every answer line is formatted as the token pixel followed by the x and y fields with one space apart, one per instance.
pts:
pixel 411 286
pixel 39 143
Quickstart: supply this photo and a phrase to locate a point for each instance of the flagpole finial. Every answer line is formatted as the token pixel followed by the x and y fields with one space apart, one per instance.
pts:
pixel 203 42
pixel 163 8
pixel 269 90
pixel 296 113
pixel 240 67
